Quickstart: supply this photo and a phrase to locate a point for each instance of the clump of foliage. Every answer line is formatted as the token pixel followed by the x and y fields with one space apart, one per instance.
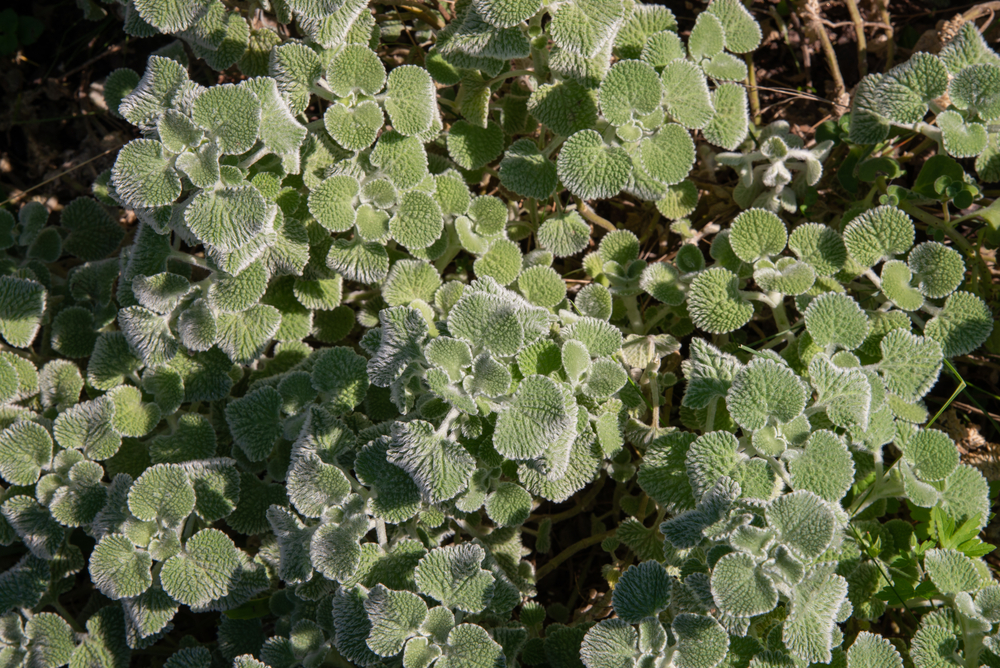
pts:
pixel 179 429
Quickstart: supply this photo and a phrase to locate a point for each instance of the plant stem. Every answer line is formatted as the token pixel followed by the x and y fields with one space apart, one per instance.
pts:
pixel 933 221
pixel 752 86
pixel 510 75
pixel 809 10
pixel 422 11
pixel 859 31
pixel 557 561
pixel 634 316
pixel 248 161
pixel 592 216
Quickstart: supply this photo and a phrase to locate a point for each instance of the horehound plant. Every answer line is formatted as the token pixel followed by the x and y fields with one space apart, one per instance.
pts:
pixel 179 428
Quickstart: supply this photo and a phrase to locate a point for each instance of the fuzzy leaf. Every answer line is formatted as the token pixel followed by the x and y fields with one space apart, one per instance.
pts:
pixel 537 415
pixel 118 569
pixel 163 493
pixel 396 616
pixel 440 466
pixel 143 175
pixel 204 571
pixel 740 588
pixel 453 576
pixel 715 303
pixel 592 170
pixel 25 449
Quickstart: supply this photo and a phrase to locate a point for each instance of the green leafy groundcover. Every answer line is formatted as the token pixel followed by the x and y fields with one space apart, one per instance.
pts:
pixel 321 388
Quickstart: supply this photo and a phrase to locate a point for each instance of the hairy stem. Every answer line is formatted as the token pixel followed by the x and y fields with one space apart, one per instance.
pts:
pixel 859 31
pixel 592 216
pixel 557 561
pixel 752 89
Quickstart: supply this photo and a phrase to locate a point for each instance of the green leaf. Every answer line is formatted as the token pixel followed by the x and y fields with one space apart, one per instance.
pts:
pixel 715 303
pixel 565 107
pixel 216 485
pixel 227 218
pixel 845 393
pixel 701 641
pixel 974 90
pixel 230 115
pixel 280 133
pixel 879 234
pixel 354 128
pixel 810 630
pixel 143 176
pixel 87 427
pixel 161 292
pixel 502 262
pixel 668 155
pixel 440 466
pixel 642 591
pixel 686 95
pixel 296 68
pixel 825 468
pixel 418 220
pixel 105 644
pixel 93 233
pixel 805 524
pixel 398 496
pixel 204 571
pixel 148 335
pixel 564 234
pixel 872 650
pixel 910 364
pixel 931 453
pixel 592 170
pixel 118 569
pixel 51 641
pixel 332 202
pixel 730 121
pixel 509 505
pixel 401 159
pixel 255 422
pixel 756 234
pixel 470 645
pixel 586 26
pixel 740 588
pixel 395 616
pixel 536 416
pixel 453 576
pixel 25 449
pixel 765 392
pixel 819 246
pixel 834 319
pixel 630 90
pixel 169 16
pixel 743 35
pixel 410 100
pixel 132 417
pixel 243 337
pixel 356 68
pixel 611 643
pixel 163 493
pixel 526 172
pixel 22 303
pixel 962 325
pixel 952 572
pixel 471 147
pixel 961 139
pixel 162 83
